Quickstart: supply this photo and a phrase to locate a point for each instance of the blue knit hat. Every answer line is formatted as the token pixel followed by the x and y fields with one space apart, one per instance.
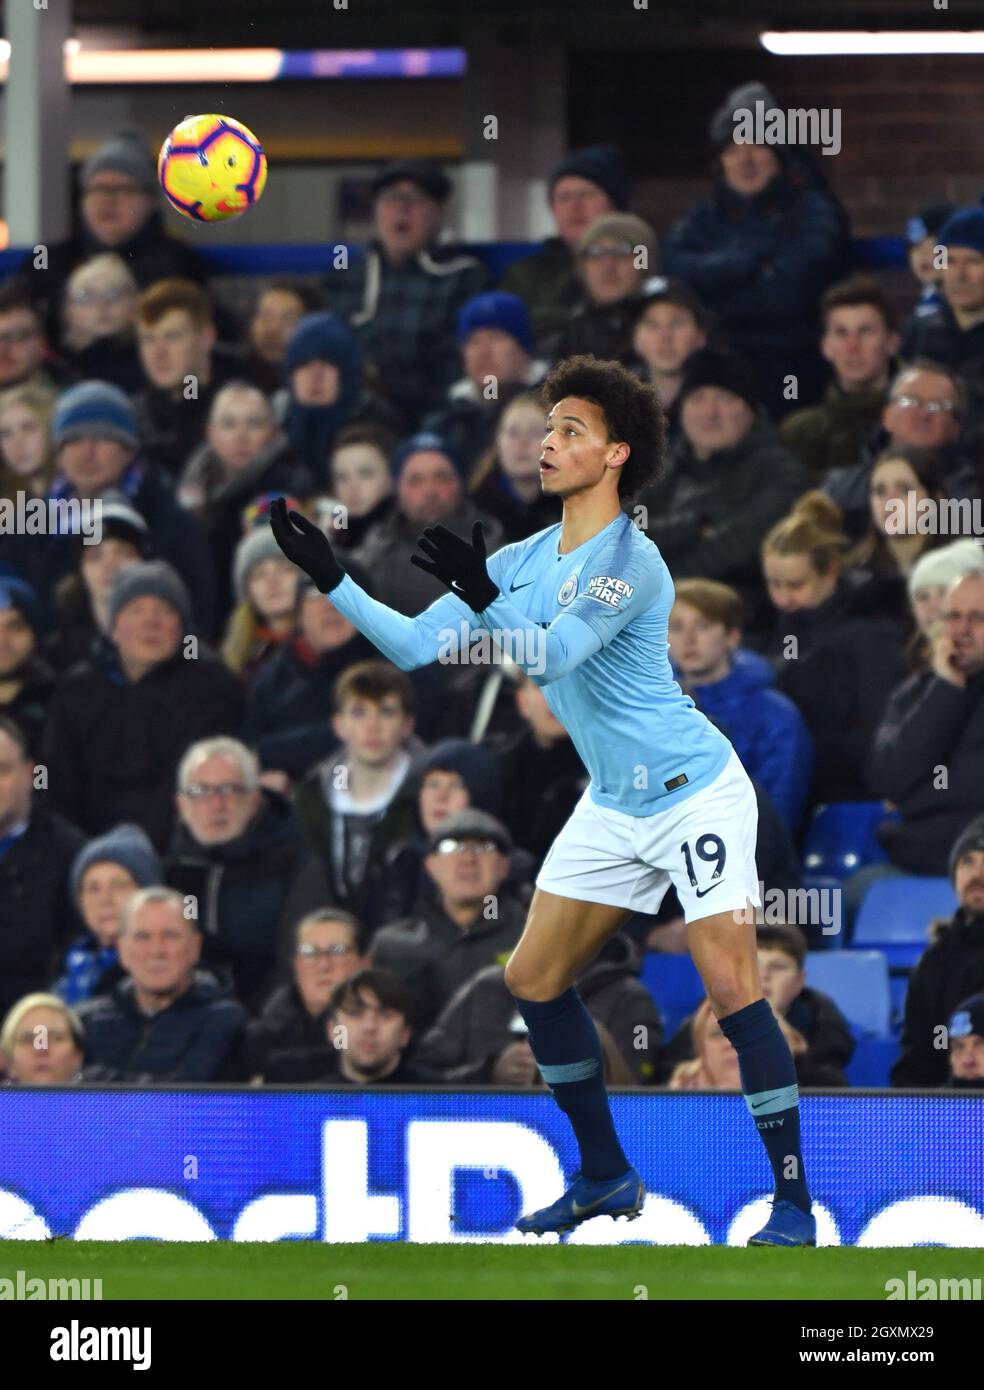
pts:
pixel 964 228
pixel 600 164
pixel 94 409
pixel 322 336
pixel 476 766
pixel 422 441
pixel 126 845
pixel 496 309
pixel 18 594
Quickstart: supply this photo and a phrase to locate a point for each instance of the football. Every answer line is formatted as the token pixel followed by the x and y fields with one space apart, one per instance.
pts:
pixel 211 168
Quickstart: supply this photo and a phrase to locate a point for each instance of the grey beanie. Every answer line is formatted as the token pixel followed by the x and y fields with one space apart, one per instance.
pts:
pixel 941 567
pixel 154 578
pixel 969 839
pixel 126 845
pixel 127 154
pixel 256 546
pixel 743 98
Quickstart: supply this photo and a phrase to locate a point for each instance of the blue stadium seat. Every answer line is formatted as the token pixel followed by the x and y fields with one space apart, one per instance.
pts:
pixel 895 914
pixel 675 984
pixel 841 838
pixel 872 1062
pixel 857 982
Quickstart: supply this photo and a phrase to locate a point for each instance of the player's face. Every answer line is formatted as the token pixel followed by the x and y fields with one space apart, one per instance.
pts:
pixel 44 1052
pixel 968 880
pixel 104 892
pixel 963 622
pixel 911 416
pixel 224 806
pixel 273 587
pixel 373 731
pixel 334 959
pixel 714 419
pixel 576 453
pixel 374 1035
pixel 858 345
pixel 793 582
pixel 893 481
pixel 442 794
pixel 782 978
pixel 963 278
pixel 748 169
pixel 666 335
pixel 160 949
pixel 576 203
pixel 17 641
pixel 240 424
pixel 967 1058
pixel 700 647
pixel 360 477
pixel 322 626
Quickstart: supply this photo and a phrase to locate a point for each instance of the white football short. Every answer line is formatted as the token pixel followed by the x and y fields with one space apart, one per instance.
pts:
pixel 704 846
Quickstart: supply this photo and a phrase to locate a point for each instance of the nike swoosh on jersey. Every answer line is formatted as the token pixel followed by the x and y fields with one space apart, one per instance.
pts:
pixel 514 587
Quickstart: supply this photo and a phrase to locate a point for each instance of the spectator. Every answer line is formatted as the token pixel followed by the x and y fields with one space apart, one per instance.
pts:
pixel 326 391
pixel 737 692
pixel 926 410
pixel 505 483
pixel 860 340
pixel 728 479
pixel 360 481
pixel 543 776
pixel 403 294
pixel 429 489
pixel 105 875
pixel 278 310
pixel 760 251
pixel 370 1018
pixel 472 1034
pixel 835 658
pixel 923 235
pixel 950 971
pixel 934 725
pixel 119 721
pixel 120 210
pixel 966 1038
pixel 25 357
pixel 176 336
pixel 670 325
pixel 268 590
pixel 586 184
pixel 100 313
pixel 497 356
pixel 27 459
pixel 37 849
pixel 929 579
pixel 288 1041
pixel 356 804
pixel 166 1021
pixel 468 924
pixel 96 438
pixel 42 1042
pixel 238 852
pixel 26 679
pixel 82 597
pixel 615 258
pixel 453 776
pixel 713 1065
pixel 953 332
pixel 244 455
pixel 821 1037
pixel 288 716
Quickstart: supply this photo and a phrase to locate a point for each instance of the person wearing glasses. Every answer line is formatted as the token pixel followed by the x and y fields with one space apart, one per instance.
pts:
pixel 99 311
pixel 239 855
pixel 26 358
pixel 469 922
pixel 616 256
pixel 288 1041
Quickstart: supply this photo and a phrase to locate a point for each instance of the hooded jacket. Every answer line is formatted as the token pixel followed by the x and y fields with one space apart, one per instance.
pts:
pixel 950 971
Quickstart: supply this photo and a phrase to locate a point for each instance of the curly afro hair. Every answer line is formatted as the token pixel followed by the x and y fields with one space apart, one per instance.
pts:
pixel 631 408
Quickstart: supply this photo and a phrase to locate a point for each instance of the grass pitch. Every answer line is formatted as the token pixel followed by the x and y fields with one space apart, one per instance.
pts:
pixel 310 1270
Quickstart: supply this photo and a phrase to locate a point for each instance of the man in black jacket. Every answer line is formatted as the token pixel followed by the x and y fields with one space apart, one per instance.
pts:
pixel 37 849
pixel 239 855
pixel 166 1021
pixel 950 970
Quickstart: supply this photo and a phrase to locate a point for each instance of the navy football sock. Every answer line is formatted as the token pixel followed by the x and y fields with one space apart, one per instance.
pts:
pixel 568 1051
pixel 768 1079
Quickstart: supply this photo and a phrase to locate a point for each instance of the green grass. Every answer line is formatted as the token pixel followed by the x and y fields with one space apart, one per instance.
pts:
pixel 310 1270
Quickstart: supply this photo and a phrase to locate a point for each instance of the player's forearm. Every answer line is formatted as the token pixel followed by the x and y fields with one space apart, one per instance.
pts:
pixel 545 654
pixel 407 642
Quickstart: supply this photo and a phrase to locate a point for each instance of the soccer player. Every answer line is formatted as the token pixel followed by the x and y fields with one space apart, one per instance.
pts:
pixel 583 607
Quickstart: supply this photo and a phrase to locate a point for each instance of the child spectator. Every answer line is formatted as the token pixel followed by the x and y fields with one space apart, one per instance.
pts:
pixel 966 1051
pixel 267 587
pixel 360 482
pixel 27 456
pixel 670 325
pixel 922 233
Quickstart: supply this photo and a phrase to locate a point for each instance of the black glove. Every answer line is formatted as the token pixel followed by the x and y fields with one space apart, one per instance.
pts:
pixel 458 565
pixel 306 546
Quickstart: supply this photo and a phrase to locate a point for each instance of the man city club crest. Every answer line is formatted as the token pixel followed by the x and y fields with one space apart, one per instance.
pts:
pixel 568 589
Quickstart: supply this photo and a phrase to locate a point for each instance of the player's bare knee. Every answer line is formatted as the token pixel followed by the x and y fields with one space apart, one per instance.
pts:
pixel 523 984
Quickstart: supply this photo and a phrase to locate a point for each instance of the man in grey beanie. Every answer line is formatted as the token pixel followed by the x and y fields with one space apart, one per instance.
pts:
pixel 120 211
pixel 120 721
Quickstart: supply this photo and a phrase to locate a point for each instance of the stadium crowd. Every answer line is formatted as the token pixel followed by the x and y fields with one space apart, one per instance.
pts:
pixel 237 845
